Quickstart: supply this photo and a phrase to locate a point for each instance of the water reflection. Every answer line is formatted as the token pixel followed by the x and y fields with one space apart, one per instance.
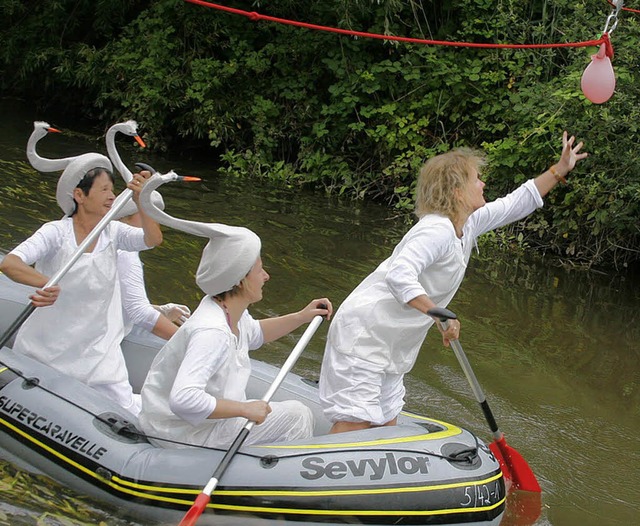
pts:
pixel 555 351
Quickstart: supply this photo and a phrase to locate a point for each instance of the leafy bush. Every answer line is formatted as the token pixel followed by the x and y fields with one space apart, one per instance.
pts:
pixel 356 116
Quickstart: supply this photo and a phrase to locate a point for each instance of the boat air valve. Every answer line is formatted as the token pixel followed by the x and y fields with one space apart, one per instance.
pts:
pixel 104 474
pixel 30 383
pixel 115 426
pixel 461 456
pixel 123 428
pixel 466 455
pixel 269 461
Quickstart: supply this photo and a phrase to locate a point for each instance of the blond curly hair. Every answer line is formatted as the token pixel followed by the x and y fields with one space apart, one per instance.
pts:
pixel 440 176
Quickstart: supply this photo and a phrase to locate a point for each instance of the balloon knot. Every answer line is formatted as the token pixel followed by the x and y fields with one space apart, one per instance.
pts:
pixel 254 17
pixel 608 45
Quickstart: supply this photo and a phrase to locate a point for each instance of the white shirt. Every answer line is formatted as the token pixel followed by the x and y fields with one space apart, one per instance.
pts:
pixel 45 242
pixel 80 334
pixel 376 324
pixel 202 362
pixel 136 307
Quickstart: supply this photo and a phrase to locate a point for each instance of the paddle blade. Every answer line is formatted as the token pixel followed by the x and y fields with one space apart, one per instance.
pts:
pixel 199 505
pixel 506 472
pixel 514 467
pixel 523 509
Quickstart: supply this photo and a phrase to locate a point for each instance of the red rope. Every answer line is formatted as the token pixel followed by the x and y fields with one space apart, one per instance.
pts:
pixel 624 8
pixel 253 16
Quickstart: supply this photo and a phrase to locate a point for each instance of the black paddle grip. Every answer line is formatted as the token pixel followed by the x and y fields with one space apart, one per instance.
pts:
pixel 442 314
pixel 489 416
pixel 147 167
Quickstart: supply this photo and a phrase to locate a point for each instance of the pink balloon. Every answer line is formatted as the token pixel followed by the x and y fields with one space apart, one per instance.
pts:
pixel 598 79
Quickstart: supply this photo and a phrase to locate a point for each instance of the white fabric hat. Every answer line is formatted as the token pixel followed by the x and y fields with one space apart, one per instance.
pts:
pixel 229 255
pixel 73 174
pixel 130 207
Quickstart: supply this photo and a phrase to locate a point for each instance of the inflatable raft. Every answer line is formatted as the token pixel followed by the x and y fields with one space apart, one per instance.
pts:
pixel 422 471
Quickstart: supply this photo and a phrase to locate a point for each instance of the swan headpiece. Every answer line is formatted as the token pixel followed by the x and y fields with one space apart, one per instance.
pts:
pixel 228 256
pixel 73 168
pixel 130 207
pixel 73 174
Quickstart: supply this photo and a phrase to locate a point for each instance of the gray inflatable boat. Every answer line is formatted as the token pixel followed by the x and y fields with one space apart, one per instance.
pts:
pixel 422 471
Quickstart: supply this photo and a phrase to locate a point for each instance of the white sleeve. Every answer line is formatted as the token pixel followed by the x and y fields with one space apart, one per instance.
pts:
pixel 205 354
pixel 255 336
pixel 43 243
pixel 421 248
pixel 129 238
pixel 512 207
pixel 135 303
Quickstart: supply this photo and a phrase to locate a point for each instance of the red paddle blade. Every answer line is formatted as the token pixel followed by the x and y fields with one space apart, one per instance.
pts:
pixel 514 467
pixel 506 472
pixel 196 510
pixel 523 509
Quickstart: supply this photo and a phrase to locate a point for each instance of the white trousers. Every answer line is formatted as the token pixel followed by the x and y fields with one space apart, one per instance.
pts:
pixel 288 420
pixel 354 390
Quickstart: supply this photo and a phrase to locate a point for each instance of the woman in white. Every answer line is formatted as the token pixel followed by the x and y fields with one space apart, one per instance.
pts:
pixel 161 320
pixel 78 326
pixel 377 332
pixel 194 393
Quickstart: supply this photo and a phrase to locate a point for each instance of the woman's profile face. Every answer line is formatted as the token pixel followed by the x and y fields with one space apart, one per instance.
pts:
pixel 254 282
pixel 473 192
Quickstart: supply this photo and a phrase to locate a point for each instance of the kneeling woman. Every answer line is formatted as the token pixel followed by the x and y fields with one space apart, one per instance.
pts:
pixel 194 393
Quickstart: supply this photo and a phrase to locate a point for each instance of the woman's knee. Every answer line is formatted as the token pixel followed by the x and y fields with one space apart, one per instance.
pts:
pixel 302 420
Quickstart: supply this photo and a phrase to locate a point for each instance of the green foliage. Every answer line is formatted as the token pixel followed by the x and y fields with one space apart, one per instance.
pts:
pixel 356 116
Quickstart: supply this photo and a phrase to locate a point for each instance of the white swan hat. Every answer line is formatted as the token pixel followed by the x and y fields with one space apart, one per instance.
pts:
pixel 228 256
pixel 74 173
pixel 73 168
pixel 131 208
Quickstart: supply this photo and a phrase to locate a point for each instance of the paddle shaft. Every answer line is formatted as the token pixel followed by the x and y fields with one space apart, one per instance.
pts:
pixel 443 316
pixel 511 462
pixel 201 501
pixel 513 465
pixel 284 370
pixel 122 199
pixel 475 385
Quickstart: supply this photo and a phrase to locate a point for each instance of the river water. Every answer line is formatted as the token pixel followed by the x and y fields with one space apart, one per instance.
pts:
pixel 555 351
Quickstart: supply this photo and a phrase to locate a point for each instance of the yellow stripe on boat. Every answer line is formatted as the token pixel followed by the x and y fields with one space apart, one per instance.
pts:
pixel 257 509
pixel 138 490
pixel 319 493
pixel 449 431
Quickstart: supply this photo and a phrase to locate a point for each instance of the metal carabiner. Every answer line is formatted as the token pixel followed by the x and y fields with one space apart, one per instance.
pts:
pixel 608 29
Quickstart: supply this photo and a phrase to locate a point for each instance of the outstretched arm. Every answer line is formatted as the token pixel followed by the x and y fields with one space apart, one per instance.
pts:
pixel 274 328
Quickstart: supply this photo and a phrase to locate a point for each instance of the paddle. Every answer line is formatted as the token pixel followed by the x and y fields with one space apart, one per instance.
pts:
pixel 118 204
pixel 513 465
pixel 203 499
